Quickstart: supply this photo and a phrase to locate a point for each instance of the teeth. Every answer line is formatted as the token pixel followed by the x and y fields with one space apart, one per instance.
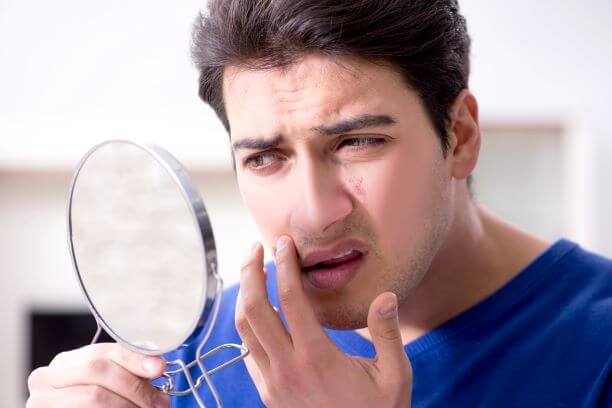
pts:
pixel 343 254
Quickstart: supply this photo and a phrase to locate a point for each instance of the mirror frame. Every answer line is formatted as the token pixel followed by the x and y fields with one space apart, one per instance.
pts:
pixel 199 214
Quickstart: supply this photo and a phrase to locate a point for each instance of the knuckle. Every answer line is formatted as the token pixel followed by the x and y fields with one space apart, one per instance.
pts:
pixel 35 377
pixel 251 307
pixel 389 334
pixel 242 325
pixel 97 367
pixel 138 387
pixel 286 294
pixel 97 394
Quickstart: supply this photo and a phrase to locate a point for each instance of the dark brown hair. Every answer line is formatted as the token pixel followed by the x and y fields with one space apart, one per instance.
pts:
pixel 426 40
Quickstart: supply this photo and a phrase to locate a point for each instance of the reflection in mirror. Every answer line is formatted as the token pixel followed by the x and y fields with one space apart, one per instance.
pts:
pixel 137 247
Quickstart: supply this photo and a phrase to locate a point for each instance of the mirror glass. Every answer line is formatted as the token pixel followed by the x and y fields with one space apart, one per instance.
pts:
pixel 137 247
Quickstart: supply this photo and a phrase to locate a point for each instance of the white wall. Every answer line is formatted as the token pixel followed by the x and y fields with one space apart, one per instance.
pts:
pixel 77 72
pixel 73 73
pixel 551 59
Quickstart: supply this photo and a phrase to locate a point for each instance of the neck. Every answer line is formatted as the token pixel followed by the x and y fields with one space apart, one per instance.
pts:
pixel 480 254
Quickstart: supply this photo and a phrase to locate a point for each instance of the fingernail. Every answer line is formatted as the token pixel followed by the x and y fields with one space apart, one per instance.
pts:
pixel 389 309
pixel 282 243
pixel 254 247
pixel 160 400
pixel 151 365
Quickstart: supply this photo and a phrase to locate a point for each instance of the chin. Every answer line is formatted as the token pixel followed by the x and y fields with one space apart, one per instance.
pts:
pixel 343 319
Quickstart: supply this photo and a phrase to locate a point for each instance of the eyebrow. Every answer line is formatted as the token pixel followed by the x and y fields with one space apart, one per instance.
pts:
pixel 357 123
pixel 257 144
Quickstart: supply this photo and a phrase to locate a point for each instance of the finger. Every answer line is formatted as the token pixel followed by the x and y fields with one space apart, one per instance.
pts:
pixel 38 380
pixel 257 360
pixel 299 314
pixel 106 373
pixel 257 354
pixel 254 372
pixel 262 318
pixel 138 364
pixel 78 396
pixel 383 325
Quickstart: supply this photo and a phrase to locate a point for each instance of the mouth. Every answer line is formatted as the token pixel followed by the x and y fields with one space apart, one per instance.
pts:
pixel 336 267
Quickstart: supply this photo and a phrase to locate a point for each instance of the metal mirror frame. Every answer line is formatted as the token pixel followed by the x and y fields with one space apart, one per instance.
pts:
pixel 214 284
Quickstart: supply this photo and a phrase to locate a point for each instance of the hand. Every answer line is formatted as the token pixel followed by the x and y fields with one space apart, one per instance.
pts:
pixel 301 366
pixel 100 375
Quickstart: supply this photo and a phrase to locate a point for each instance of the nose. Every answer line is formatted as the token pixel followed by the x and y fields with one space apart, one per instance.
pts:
pixel 321 199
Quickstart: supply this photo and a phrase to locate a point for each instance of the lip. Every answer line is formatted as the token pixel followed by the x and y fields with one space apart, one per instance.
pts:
pixel 341 247
pixel 334 277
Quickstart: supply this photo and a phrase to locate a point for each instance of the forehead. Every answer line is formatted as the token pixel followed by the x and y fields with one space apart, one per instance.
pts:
pixel 312 91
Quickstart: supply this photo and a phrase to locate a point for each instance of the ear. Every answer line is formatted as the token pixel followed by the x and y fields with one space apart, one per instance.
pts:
pixel 464 135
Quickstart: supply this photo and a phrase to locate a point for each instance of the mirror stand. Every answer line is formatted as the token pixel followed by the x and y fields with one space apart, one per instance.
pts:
pixel 169 386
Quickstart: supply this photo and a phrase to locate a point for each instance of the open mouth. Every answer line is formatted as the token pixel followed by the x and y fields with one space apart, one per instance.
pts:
pixel 347 257
pixel 336 272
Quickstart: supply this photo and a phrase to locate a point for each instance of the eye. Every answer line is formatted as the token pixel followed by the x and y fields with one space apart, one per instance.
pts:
pixel 361 142
pixel 260 161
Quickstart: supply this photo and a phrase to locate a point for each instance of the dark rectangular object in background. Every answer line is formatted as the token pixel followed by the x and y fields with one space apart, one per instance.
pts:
pixel 54 332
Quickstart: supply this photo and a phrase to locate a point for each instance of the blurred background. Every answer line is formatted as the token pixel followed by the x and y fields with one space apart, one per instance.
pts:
pixel 74 73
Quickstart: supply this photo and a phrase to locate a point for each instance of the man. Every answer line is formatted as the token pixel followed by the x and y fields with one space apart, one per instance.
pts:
pixel 354 136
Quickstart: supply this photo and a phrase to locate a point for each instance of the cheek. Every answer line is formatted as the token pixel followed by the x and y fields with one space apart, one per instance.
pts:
pixel 265 209
pixel 399 200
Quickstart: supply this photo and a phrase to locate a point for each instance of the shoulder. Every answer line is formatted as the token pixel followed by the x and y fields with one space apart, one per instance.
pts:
pixel 582 283
pixel 589 277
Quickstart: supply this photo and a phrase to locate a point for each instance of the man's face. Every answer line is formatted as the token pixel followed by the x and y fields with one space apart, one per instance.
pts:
pixel 341 156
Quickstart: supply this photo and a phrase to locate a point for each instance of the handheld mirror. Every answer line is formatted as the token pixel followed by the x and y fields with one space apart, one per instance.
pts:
pixel 144 254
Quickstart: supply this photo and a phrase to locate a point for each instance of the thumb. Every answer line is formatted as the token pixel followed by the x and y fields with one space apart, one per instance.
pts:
pixel 383 325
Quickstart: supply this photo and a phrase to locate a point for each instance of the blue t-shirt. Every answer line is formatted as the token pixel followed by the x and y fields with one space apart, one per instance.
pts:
pixel 542 340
